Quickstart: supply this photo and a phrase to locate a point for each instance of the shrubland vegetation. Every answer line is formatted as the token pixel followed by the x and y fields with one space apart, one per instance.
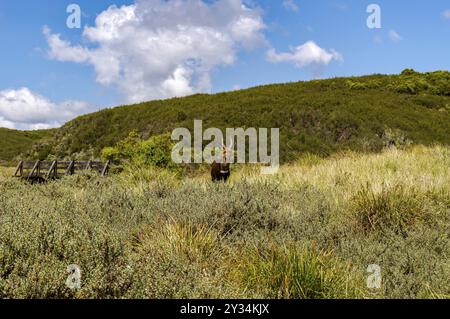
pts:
pixel 308 232
pixel 319 117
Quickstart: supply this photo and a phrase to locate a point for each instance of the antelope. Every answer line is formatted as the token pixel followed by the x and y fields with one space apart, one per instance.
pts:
pixel 221 171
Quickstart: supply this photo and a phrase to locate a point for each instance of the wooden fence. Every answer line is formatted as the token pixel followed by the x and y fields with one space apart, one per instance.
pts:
pixel 56 169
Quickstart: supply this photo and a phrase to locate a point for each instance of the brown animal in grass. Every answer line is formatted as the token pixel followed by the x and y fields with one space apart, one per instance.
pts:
pixel 220 172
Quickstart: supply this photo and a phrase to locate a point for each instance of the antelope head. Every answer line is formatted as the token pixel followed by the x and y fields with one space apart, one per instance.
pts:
pixel 227 151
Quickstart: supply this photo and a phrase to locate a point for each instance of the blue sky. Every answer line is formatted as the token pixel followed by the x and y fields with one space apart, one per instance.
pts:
pixel 40 75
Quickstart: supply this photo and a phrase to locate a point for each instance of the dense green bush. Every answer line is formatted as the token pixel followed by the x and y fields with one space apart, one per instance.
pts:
pixel 156 151
pixel 409 72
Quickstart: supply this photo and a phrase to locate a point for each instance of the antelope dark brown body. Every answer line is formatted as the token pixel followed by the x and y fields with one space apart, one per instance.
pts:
pixel 220 172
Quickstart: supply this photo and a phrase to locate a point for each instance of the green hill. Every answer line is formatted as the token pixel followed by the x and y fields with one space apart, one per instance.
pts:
pixel 320 116
pixel 13 142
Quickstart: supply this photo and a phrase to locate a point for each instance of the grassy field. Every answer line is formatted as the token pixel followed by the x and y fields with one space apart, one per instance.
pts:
pixel 309 232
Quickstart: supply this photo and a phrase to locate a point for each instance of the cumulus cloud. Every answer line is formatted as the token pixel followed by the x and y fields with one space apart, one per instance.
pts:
pixel 394 36
pixel 308 54
pixel 157 49
pixel 27 110
pixel 291 5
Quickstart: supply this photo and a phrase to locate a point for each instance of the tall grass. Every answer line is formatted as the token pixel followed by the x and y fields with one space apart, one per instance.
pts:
pixel 308 232
pixel 393 208
pixel 289 272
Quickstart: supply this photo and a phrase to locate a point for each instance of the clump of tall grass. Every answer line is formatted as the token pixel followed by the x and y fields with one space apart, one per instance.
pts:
pixel 289 272
pixel 181 260
pixel 193 241
pixel 393 208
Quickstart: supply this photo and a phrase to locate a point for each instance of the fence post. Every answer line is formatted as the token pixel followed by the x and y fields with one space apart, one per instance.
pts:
pixel 35 169
pixel 52 170
pixel 70 170
pixel 19 169
pixel 105 168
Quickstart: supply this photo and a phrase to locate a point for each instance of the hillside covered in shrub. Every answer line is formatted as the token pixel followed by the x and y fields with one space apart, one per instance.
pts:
pixel 13 142
pixel 319 117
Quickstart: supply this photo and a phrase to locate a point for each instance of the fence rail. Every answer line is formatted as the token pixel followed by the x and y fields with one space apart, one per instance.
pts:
pixel 53 170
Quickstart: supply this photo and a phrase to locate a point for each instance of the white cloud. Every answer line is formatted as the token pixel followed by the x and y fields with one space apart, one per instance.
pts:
pixel 5 123
pixel 24 109
pixel 157 49
pixel 446 14
pixel 394 36
pixel 307 54
pixel 291 5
